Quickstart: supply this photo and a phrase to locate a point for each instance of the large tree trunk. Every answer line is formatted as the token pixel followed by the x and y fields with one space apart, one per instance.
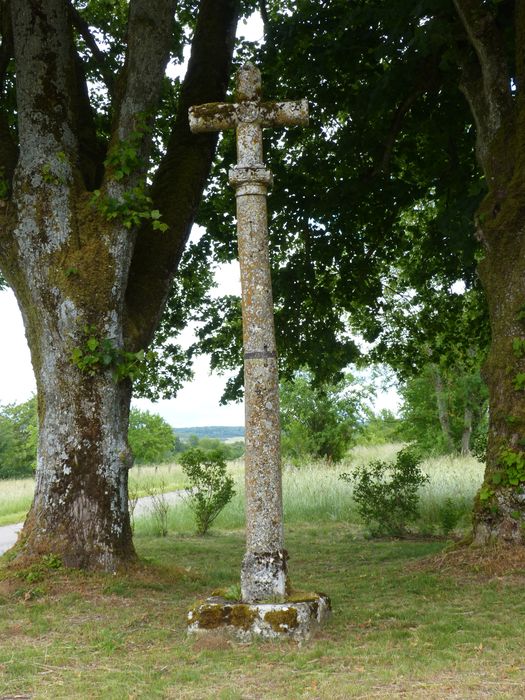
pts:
pixel 496 97
pixel 500 506
pixel 75 283
pixel 69 263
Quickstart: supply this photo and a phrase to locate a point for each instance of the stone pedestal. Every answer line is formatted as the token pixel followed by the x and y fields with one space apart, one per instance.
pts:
pixel 294 619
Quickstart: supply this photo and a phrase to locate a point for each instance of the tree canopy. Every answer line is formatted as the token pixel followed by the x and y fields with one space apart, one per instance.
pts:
pixel 375 200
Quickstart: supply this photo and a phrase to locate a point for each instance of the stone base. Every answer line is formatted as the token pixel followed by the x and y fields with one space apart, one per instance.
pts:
pixel 294 619
pixel 264 576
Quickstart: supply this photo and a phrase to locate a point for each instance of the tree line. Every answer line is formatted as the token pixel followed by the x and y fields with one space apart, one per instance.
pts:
pixel 441 413
pixel 151 438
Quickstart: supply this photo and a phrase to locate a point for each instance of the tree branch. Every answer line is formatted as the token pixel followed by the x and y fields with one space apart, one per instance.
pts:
pixel 42 30
pixel 83 28
pixel 181 177
pixel 263 9
pixel 484 37
pixel 150 29
pixel 394 130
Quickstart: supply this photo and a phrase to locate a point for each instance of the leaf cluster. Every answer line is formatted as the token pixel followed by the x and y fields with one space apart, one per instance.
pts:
pixel 97 355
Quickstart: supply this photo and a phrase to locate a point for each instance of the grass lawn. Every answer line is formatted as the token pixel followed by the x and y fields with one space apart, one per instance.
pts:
pixel 404 625
pixel 398 630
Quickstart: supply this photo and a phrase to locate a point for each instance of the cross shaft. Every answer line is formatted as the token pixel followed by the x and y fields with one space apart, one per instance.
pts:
pixel 263 573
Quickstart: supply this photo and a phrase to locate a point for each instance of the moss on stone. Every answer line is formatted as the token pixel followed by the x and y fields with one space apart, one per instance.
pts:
pixel 282 620
pixel 214 615
pixel 242 616
pixel 210 616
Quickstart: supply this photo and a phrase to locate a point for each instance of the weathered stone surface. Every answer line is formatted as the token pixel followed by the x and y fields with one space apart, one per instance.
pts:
pixel 293 619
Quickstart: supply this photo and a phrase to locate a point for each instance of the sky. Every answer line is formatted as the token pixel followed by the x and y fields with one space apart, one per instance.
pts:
pixel 197 403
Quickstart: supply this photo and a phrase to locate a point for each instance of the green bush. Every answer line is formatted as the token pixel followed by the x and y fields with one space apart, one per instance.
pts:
pixel 387 494
pixel 211 487
pixel 320 421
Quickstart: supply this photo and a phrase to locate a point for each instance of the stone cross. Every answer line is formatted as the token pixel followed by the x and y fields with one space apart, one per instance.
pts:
pixel 263 572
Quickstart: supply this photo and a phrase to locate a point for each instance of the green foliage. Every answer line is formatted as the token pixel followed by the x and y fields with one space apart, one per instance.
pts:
pixel 387 494
pixel 96 355
pixel 380 429
pixel 124 158
pixel 319 421
pixel 511 472
pixel 18 439
pixel 228 450
pixel 449 515
pixel 151 438
pixel 386 223
pixel 420 412
pixel 133 207
pixel 211 487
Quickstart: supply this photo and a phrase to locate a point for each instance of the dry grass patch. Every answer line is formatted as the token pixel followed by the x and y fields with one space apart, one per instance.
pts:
pixel 496 561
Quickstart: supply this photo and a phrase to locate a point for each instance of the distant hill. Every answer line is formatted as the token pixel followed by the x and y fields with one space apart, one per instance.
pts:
pixel 220 432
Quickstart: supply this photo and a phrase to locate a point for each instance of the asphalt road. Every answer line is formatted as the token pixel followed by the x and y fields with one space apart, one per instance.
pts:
pixel 9 533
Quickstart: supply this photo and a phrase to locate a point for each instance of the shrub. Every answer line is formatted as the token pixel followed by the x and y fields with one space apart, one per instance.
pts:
pixel 387 494
pixel 159 507
pixel 211 487
pixel 449 515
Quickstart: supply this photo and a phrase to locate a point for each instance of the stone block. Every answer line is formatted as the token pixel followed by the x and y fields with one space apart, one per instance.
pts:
pixel 295 619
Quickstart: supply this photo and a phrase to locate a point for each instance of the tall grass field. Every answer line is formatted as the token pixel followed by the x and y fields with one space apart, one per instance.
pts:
pixel 312 492
pixel 403 624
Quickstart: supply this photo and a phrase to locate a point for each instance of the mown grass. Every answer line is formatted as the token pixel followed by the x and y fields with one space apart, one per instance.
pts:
pixel 400 629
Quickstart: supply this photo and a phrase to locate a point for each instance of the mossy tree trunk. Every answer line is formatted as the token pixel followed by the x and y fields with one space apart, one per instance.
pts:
pixel 81 276
pixel 498 107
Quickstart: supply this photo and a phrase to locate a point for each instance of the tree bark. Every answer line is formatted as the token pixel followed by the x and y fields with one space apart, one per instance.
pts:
pixel 467 431
pixel 500 120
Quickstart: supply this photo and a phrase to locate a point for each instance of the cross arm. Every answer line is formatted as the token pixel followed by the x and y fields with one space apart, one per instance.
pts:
pixel 216 116
pixel 212 116
pixel 284 113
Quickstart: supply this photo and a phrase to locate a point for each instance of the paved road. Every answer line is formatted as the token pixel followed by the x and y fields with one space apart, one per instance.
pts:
pixel 9 533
